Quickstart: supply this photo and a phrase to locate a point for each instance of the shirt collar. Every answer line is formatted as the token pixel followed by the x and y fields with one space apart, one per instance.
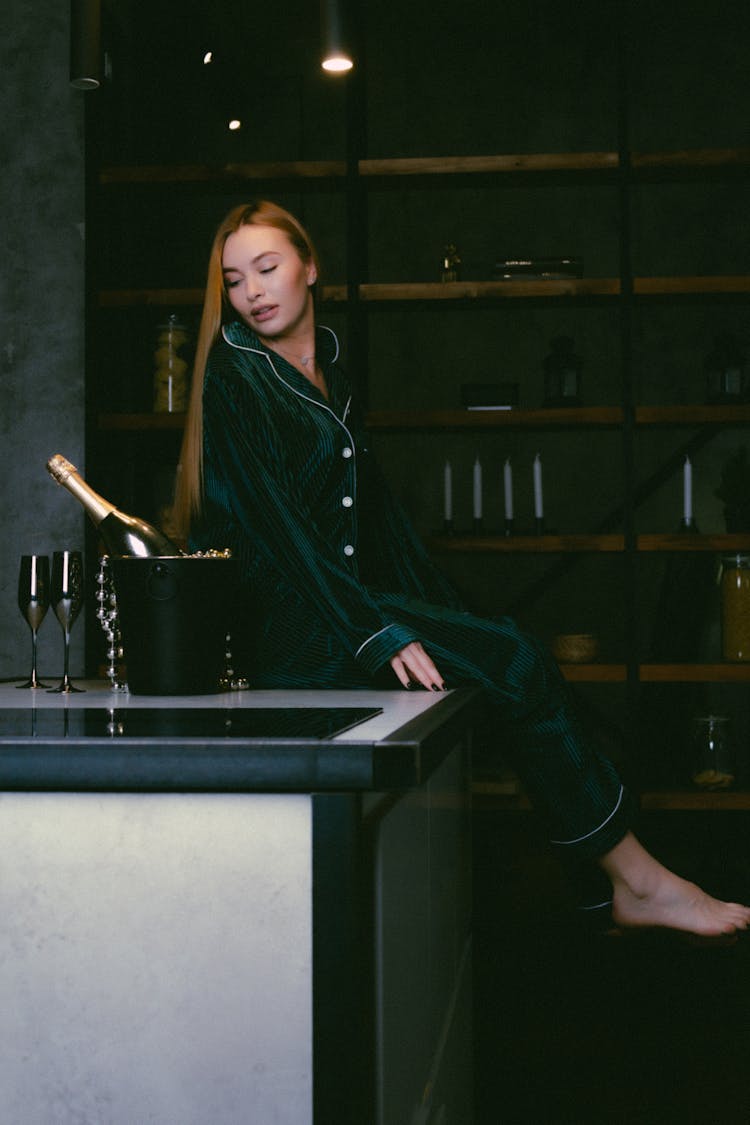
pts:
pixel 326 341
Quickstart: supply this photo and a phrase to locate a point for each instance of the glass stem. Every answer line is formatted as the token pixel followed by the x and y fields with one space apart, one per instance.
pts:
pixel 33 657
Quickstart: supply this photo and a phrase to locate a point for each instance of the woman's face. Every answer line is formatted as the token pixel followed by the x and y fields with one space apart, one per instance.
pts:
pixel 267 282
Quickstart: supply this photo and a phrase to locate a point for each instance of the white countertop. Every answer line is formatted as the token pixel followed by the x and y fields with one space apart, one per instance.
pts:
pixel 399 706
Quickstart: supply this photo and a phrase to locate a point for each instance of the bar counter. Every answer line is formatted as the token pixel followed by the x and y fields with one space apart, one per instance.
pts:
pixel 245 907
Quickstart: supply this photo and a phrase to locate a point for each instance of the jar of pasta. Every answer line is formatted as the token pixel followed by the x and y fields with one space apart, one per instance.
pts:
pixel 171 366
pixel 735 607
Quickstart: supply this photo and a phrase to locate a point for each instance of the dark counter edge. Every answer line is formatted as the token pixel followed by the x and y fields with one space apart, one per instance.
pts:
pixel 406 758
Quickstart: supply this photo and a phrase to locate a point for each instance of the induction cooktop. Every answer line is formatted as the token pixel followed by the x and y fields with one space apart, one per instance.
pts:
pixel 183 723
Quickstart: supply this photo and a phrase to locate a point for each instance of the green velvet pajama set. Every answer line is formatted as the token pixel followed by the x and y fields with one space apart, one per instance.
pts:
pixel 335 581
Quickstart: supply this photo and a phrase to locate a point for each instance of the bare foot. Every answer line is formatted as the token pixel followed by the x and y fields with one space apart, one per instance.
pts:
pixel 647 894
pixel 675 904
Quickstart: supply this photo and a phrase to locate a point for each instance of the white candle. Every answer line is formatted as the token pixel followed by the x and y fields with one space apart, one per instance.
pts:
pixel 687 490
pixel 448 491
pixel 477 490
pixel 538 500
pixel 508 489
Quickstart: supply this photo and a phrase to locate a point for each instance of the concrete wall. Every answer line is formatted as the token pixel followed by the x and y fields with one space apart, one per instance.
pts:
pixel 41 312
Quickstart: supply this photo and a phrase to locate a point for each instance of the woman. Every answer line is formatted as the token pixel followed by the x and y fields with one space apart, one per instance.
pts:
pixel 337 589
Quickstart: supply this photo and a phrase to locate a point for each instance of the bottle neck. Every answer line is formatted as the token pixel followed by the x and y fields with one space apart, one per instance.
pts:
pixel 96 506
pixel 67 475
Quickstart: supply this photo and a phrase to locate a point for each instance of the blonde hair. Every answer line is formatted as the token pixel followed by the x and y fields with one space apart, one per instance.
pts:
pixel 216 310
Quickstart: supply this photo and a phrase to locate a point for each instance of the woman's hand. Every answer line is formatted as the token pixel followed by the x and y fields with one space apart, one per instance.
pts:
pixel 413 666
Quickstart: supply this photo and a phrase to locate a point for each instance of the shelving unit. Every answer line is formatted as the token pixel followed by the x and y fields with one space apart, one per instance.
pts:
pixel 619 170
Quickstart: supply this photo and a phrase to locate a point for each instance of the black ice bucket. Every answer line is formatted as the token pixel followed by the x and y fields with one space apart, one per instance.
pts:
pixel 174 616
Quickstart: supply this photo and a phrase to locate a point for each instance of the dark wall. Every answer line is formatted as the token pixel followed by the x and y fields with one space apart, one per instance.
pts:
pixel 41 310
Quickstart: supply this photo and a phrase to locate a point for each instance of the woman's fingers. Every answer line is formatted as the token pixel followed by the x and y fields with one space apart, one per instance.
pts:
pixel 413 665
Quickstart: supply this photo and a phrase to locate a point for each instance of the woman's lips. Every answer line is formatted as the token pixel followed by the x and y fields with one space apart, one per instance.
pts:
pixel 264 312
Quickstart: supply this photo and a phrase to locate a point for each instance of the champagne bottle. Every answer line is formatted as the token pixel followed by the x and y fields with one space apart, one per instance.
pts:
pixel 122 534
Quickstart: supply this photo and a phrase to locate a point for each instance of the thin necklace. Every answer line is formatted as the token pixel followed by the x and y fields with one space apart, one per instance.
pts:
pixel 303 359
pixel 312 373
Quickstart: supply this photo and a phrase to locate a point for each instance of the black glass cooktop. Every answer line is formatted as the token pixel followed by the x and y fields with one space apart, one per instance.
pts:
pixel 187 722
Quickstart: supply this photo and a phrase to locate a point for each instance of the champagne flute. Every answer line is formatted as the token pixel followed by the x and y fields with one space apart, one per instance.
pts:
pixel 67 599
pixel 33 602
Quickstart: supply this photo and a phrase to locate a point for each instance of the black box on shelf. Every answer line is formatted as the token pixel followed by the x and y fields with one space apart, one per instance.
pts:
pixel 550 269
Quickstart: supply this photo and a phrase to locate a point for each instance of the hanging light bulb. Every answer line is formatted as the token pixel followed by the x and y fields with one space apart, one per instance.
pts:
pixel 337 58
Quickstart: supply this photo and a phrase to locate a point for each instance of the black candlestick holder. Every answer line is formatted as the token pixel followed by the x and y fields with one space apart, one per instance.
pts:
pixel 688 526
pixel 508 526
pixel 448 527
pixel 539 525
pixel 477 526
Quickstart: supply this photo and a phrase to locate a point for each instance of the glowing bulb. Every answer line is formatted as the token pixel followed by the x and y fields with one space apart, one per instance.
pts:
pixel 235 124
pixel 208 58
pixel 337 64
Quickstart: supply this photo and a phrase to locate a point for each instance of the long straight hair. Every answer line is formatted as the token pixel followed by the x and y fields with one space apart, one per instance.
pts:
pixel 216 311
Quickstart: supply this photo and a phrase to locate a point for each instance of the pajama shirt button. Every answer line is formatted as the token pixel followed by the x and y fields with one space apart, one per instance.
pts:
pixel 346 452
pixel 348 550
pixel 347 502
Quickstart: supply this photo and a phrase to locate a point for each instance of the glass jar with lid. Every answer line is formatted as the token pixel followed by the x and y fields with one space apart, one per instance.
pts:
pixel 713 759
pixel 171 366
pixel 735 607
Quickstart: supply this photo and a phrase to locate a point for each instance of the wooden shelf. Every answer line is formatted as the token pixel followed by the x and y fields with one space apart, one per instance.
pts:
pixel 687 542
pixel 707 283
pixel 692 415
pixel 658 673
pixel 463 419
pixel 539 287
pixel 479 290
pixel 549 544
pixel 137 423
pixel 692 158
pixel 688 800
pixel 720 672
pixel 594 673
pixel 462 165
pixel 129 298
pixel 520 288
pixel 503 795
pixel 533 544
pixel 218 173
pixel 421 166
pixel 532 419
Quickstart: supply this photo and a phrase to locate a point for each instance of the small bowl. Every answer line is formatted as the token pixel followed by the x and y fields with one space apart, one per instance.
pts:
pixel 575 648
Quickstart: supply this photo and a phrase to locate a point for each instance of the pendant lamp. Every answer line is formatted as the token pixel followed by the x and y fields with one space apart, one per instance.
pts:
pixel 85 22
pixel 336 55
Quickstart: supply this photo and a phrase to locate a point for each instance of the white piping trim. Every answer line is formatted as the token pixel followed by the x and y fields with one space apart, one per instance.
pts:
pixel 598 828
pixel 372 638
pixel 259 351
pixel 300 394
pixel 325 328
pixel 598 906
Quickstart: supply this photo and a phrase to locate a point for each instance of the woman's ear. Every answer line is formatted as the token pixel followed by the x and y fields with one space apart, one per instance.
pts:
pixel 312 274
